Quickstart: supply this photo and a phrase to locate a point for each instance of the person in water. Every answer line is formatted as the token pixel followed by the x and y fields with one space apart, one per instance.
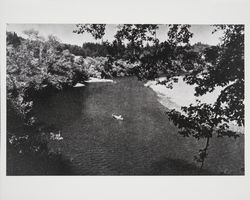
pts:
pixel 118 117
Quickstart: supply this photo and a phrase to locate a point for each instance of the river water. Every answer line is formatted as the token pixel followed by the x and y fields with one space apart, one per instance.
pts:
pixel 144 143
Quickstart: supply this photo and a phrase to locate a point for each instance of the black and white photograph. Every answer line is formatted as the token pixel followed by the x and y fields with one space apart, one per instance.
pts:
pixel 103 99
pixel 124 100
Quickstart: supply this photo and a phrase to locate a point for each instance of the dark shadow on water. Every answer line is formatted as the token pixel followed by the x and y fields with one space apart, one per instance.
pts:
pixel 168 166
pixel 34 165
pixel 61 108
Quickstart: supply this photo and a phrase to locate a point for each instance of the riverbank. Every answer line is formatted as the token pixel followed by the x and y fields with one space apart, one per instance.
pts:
pixel 182 94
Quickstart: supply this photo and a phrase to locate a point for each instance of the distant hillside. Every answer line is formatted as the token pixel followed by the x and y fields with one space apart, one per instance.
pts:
pixel 199 47
pixel 87 50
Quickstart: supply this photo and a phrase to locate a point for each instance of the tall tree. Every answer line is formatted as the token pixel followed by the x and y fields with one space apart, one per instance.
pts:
pixel 221 66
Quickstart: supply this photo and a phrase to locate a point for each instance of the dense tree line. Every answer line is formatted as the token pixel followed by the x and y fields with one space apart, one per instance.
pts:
pixel 87 49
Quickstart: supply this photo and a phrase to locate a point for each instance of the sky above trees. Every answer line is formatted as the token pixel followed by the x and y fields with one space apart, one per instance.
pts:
pixel 202 33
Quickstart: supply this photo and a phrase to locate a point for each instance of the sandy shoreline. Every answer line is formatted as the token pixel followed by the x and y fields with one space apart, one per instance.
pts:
pixel 94 80
pixel 182 94
pixel 99 80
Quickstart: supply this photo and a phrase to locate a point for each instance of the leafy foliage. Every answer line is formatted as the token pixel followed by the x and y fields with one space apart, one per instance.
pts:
pixel 224 66
pixel 104 67
pixel 221 66
pixel 87 50
pixel 95 50
pixel 205 66
pixel 13 39
pixel 97 30
pixel 35 67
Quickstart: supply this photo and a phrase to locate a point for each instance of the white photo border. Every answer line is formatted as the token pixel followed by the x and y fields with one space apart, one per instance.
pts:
pixel 123 187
